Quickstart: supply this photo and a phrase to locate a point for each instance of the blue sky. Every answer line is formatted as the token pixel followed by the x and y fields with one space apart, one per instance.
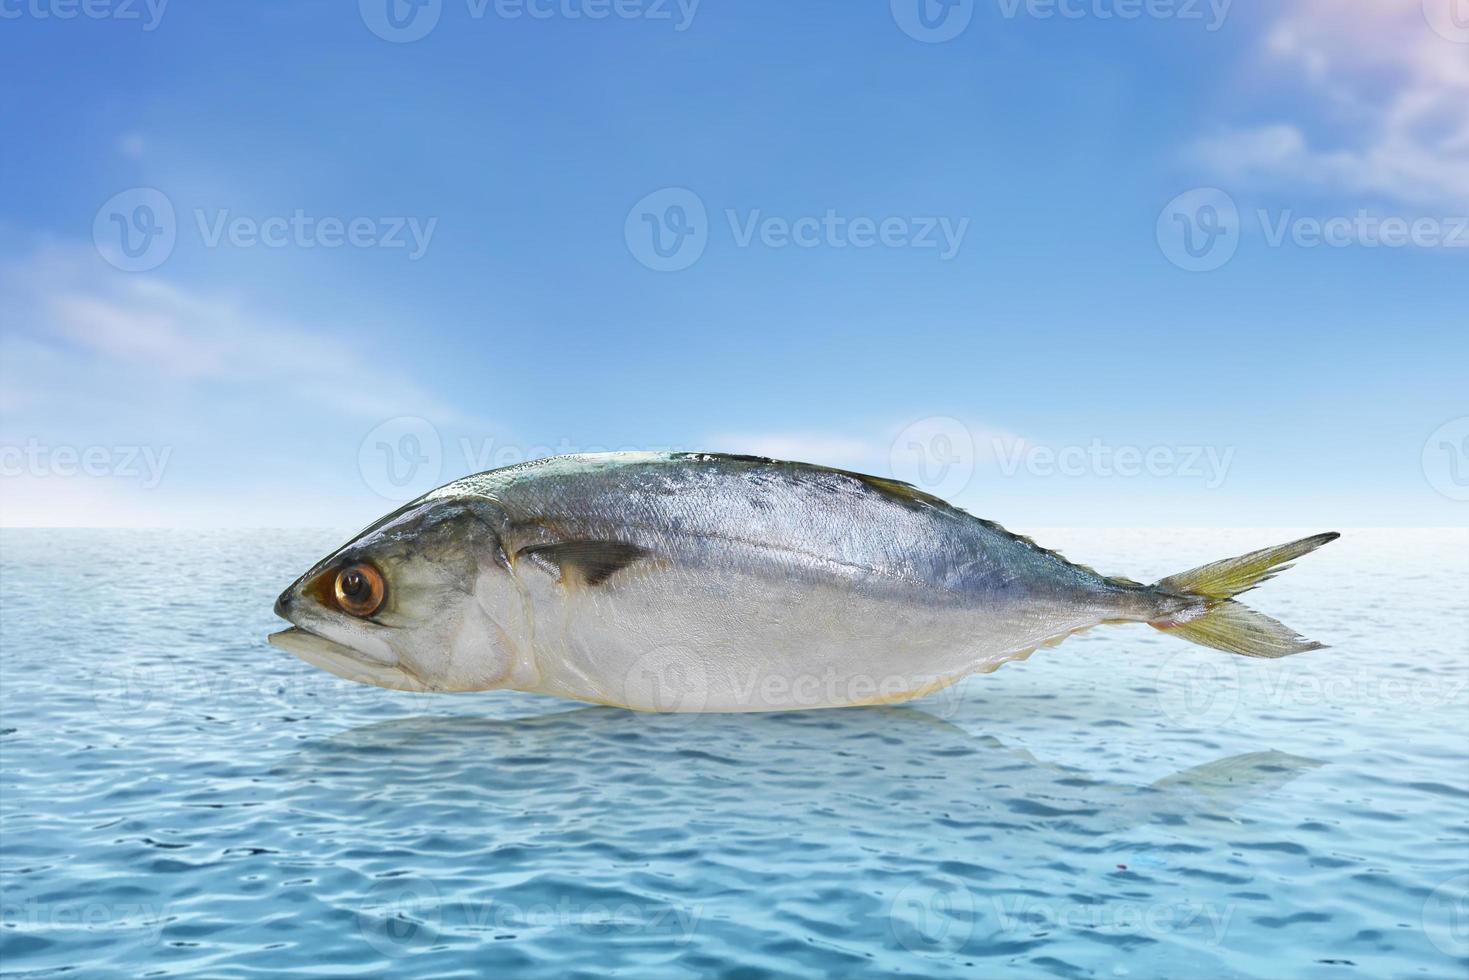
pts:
pixel 957 254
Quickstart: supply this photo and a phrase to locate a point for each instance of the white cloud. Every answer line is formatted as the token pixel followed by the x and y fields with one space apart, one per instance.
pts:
pixel 66 311
pixel 257 420
pixel 1392 106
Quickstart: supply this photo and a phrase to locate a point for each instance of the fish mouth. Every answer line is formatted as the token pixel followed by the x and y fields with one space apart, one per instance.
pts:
pixel 343 661
pixel 304 643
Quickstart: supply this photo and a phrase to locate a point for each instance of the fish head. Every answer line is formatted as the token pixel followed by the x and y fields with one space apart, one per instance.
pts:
pixel 419 601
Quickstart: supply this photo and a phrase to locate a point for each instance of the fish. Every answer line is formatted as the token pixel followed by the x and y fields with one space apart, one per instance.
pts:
pixel 710 582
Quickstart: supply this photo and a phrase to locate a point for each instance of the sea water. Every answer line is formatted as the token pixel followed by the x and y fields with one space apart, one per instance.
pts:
pixel 177 798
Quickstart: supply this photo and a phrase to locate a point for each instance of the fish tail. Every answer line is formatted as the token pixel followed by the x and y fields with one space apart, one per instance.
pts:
pixel 1228 783
pixel 1210 616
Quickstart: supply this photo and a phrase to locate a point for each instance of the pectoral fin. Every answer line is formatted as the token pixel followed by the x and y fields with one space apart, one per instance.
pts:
pixel 583 562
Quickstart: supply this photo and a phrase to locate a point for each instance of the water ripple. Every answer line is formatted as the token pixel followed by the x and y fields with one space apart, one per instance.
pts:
pixel 181 800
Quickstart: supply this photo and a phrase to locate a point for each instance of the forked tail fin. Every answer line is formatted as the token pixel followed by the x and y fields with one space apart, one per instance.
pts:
pixel 1229 783
pixel 1217 621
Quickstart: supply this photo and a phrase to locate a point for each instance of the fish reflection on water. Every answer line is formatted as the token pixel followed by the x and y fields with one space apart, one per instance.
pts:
pixel 661 815
pixel 899 758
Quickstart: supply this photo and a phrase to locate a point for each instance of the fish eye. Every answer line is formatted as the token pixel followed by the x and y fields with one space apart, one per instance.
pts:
pixel 360 589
